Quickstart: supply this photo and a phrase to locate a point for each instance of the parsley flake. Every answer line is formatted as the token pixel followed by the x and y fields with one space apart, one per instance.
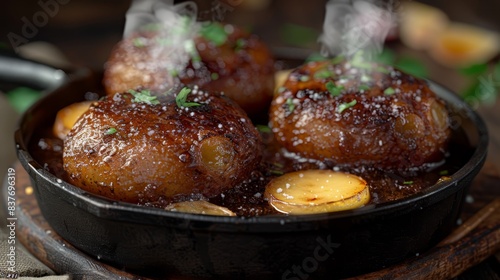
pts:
pixel 144 96
pixel 304 78
pixel 389 91
pixel 443 172
pixel 323 74
pixel 408 183
pixel 263 128
pixel 290 104
pixel 240 44
pixel 333 89
pixel 111 130
pixel 180 99
pixel 364 87
pixel 139 42
pixel 214 32
pixel 338 59
pixel 345 106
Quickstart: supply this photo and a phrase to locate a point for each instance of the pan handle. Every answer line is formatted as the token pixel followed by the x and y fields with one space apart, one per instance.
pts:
pixel 17 70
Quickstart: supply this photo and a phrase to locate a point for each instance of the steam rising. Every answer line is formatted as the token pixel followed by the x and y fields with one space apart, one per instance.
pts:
pixel 357 25
pixel 175 27
pixel 145 12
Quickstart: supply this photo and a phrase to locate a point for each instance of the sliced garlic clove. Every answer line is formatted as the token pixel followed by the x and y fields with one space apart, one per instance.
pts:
pixel 317 191
pixel 67 117
pixel 200 207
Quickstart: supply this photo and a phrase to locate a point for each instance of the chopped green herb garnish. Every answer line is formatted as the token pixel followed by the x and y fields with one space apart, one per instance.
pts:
pixel 144 96
pixel 345 106
pixel 337 59
pixel 174 73
pixel 214 76
pixel 263 128
pixel 358 61
pixel 190 48
pixel 290 104
pixel 183 27
pixel 164 41
pixel 389 91
pixel 323 74
pixel 365 78
pixel 214 32
pixel 240 44
pixel 111 130
pixel 315 57
pixel 304 78
pixel 333 89
pixel 363 87
pixel 281 89
pixel 408 183
pixel 443 172
pixel 139 42
pixel 181 97
pixel 276 172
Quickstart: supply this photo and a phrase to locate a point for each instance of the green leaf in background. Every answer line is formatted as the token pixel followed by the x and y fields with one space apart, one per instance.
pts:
pixel 298 35
pixel 22 98
pixel 412 66
pixel 315 57
pixel 486 85
pixel 496 72
pixel 387 57
pixel 475 69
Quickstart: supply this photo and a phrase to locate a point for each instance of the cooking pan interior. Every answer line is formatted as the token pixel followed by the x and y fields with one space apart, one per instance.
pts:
pixel 145 239
pixel 464 121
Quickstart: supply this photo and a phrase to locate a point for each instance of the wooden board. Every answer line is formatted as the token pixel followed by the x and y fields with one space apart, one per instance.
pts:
pixel 39 238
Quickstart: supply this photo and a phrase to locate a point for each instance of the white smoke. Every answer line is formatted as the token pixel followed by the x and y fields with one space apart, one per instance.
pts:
pixel 175 28
pixel 351 26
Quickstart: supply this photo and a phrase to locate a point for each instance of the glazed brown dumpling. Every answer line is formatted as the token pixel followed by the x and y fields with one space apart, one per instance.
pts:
pixel 135 150
pixel 224 58
pixel 360 114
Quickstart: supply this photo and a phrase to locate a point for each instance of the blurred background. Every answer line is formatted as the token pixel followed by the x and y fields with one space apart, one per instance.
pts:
pixel 86 30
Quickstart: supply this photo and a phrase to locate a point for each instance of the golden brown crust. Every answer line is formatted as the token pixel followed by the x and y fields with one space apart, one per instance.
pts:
pixel 242 67
pixel 150 154
pixel 389 119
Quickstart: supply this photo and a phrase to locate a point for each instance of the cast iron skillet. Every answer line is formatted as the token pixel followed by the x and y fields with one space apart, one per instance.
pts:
pixel 162 244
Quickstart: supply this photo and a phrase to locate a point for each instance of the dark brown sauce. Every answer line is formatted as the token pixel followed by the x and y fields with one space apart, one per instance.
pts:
pixel 247 199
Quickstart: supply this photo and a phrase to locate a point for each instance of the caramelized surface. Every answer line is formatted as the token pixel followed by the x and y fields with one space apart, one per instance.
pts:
pixel 379 118
pixel 151 154
pixel 241 67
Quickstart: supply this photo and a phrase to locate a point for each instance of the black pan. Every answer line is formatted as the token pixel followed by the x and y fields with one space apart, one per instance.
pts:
pixel 163 244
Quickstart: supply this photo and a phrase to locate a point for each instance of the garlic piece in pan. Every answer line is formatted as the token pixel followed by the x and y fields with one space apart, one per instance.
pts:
pixel 317 191
pixel 67 117
pixel 199 207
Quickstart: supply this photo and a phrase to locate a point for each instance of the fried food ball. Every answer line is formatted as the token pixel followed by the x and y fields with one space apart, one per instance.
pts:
pixel 357 113
pixel 221 57
pixel 132 147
